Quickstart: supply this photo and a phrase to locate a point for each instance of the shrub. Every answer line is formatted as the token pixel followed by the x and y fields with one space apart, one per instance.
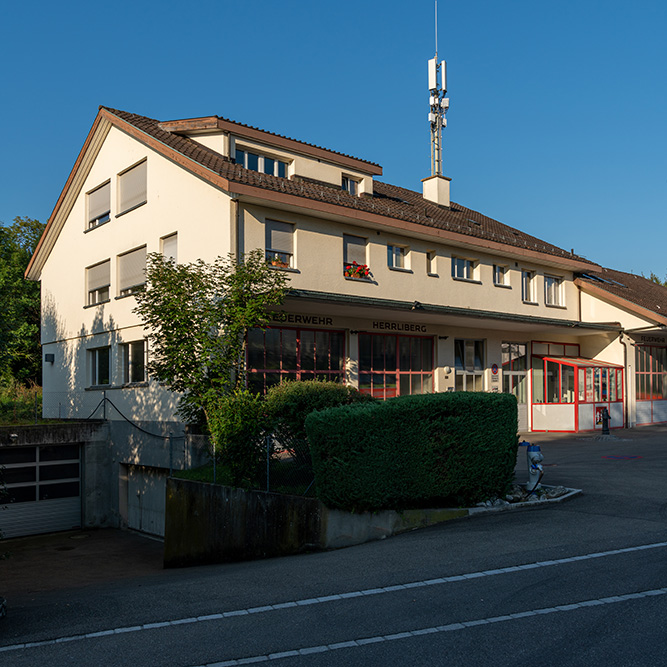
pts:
pixel 237 423
pixel 289 403
pixel 414 451
pixel 20 404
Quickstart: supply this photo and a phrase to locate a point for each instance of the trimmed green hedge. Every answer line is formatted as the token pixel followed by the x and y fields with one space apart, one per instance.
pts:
pixel 414 451
pixel 289 403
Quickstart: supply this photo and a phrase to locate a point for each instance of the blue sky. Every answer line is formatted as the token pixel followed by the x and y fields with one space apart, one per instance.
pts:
pixel 558 111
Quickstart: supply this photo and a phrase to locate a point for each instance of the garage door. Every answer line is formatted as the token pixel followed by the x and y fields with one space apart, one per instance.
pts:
pixel 146 489
pixel 44 487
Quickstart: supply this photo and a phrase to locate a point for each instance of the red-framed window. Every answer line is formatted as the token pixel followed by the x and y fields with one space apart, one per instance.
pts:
pixel 395 365
pixel 278 354
pixel 600 385
pixel 651 372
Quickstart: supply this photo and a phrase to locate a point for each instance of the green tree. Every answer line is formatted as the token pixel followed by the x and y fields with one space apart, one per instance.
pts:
pixel 654 278
pixel 198 316
pixel 20 350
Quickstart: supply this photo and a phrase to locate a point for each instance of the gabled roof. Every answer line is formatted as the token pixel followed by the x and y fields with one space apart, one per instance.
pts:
pixel 401 208
pixel 627 290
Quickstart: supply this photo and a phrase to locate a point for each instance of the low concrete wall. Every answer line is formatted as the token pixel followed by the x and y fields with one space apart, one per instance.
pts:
pixel 207 523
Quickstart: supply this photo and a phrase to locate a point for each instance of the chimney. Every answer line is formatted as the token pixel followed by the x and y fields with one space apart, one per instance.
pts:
pixel 436 189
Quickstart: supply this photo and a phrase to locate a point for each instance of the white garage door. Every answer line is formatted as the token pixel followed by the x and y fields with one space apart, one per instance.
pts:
pixel 146 488
pixel 44 487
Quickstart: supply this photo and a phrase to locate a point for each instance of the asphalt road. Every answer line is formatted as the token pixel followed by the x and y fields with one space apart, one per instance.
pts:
pixel 578 583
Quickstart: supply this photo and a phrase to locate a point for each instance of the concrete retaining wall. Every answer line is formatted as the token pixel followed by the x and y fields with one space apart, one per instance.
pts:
pixel 207 523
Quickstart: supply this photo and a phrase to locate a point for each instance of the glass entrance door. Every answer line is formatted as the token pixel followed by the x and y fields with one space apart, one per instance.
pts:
pixel 515 378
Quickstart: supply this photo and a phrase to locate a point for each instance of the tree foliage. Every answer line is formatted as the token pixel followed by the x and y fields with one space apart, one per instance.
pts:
pixel 20 350
pixel 198 316
pixel 658 281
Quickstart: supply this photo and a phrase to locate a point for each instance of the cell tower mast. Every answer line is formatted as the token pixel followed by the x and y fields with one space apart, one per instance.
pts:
pixel 437 85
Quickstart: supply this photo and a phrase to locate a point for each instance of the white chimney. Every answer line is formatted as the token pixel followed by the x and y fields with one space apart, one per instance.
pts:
pixel 436 189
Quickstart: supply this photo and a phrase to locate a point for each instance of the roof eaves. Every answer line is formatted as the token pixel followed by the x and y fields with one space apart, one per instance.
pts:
pixel 632 306
pixel 331 297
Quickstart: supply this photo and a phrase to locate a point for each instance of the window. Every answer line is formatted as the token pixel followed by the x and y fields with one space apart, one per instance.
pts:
pixel 97 282
pixel 469 365
pixel 99 205
pixel 514 360
pixel 354 257
pixel 395 365
pixel 463 269
pixel 553 291
pixel 651 372
pixel 528 286
pixel 294 354
pixel 131 271
pixel 279 248
pixel 396 256
pixel 500 275
pixel 261 163
pixel 99 366
pixel 430 263
pixel 349 185
pixel 133 361
pixel 170 247
pixel 132 188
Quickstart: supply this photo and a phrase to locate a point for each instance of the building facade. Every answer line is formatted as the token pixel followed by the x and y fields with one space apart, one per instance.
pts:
pixel 392 291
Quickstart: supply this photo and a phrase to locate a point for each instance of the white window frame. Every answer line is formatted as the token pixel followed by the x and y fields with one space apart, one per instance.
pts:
pixel 277 257
pixel 349 184
pixel 135 286
pixel 128 364
pixel 94 358
pixel 470 376
pixel 528 291
pixel 464 269
pixel 430 263
pixel 500 275
pixel 241 157
pixel 167 240
pixel 553 291
pixel 397 257
pixel 104 215
pixel 99 293
pixel 123 207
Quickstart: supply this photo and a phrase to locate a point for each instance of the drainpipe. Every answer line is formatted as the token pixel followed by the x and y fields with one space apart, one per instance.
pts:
pixel 235 241
pixel 626 389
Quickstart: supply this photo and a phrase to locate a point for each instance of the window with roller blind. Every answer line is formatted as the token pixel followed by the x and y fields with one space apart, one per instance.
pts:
pixel 98 280
pixel 99 205
pixel 131 271
pixel 279 244
pixel 354 252
pixel 132 188
pixel 170 247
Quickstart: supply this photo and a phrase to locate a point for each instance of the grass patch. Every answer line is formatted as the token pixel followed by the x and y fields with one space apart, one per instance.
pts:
pixel 20 405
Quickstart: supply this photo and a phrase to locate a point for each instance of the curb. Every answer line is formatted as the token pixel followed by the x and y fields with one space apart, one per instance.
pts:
pixel 526 505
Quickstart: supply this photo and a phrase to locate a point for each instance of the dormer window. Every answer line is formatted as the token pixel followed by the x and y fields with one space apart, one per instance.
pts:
pixel 261 163
pixel 349 185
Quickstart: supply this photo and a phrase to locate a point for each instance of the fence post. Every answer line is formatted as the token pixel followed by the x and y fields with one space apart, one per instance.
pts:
pixel 268 458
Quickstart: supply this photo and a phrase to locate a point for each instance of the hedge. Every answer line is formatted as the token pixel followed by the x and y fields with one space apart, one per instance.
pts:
pixel 414 451
pixel 289 403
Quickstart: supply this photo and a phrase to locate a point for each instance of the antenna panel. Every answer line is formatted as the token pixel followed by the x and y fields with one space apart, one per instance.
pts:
pixel 443 74
pixel 432 74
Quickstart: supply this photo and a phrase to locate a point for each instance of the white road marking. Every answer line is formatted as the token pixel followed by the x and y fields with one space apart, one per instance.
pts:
pixel 331 598
pixel 451 627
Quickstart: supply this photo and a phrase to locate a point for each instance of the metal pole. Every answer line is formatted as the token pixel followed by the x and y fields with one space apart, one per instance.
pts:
pixel 268 449
pixel 171 454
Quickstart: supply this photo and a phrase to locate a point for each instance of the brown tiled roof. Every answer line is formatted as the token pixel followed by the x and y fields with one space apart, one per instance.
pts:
pixel 387 200
pixel 629 287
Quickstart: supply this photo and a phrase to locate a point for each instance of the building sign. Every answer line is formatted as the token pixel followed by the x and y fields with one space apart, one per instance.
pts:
pixel 652 339
pixel 399 326
pixel 494 376
pixel 311 320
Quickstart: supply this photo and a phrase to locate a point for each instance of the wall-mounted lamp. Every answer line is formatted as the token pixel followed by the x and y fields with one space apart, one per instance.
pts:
pixel 49 358
pixel 443 337
pixel 353 331
pixel 417 306
pixel 447 370
pixel 13 437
